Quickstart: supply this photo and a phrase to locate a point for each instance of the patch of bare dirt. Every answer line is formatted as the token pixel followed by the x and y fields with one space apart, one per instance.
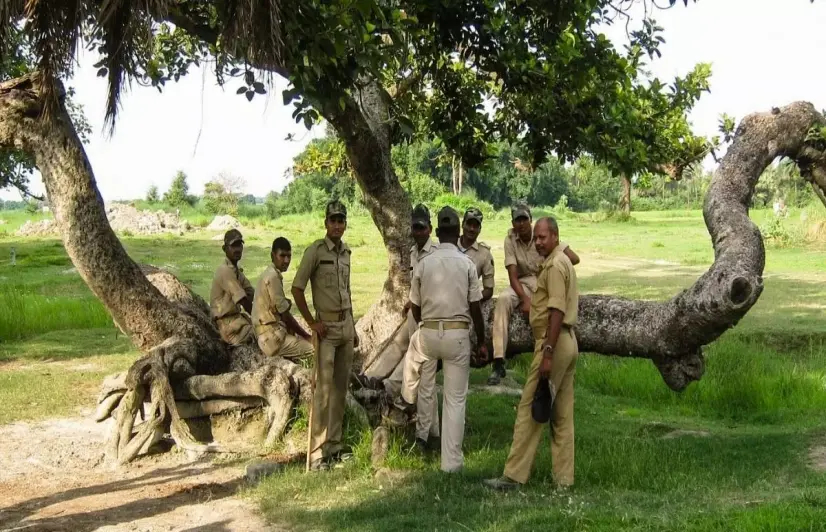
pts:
pixel 817 457
pixel 53 477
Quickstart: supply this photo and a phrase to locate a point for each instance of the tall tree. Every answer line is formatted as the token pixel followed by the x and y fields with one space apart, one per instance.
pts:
pixel 363 65
pixel 178 193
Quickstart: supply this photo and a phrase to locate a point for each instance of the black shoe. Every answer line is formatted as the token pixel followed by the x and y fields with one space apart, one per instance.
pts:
pixel 498 372
pixel 319 464
pixel 502 483
pixel 403 405
pixel 422 446
pixel 345 454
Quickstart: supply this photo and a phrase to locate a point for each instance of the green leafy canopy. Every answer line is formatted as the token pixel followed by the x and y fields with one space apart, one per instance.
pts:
pixel 466 72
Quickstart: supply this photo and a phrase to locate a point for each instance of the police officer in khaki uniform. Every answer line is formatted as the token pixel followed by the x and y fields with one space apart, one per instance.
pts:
pixel 444 296
pixel 230 298
pixel 478 252
pixel 523 263
pixel 277 331
pixel 553 316
pixel 326 266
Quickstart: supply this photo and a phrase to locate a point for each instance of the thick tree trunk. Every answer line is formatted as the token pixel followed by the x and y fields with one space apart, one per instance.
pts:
pixel 364 128
pixel 136 306
pixel 161 315
pixel 625 201
pixel 672 333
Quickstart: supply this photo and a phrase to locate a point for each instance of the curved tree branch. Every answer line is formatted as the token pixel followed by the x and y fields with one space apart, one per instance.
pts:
pixel 672 333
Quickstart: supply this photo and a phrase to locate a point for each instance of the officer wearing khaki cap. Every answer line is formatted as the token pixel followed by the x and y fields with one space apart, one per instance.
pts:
pixel 523 263
pixel 326 266
pixel 444 296
pixel 230 298
pixel 478 252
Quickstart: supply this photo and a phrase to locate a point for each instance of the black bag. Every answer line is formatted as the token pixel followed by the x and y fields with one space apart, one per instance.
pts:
pixel 543 401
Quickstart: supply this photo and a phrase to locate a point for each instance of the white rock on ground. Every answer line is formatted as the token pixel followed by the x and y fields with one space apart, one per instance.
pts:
pixel 41 228
pixel 224 223
pixel 124 217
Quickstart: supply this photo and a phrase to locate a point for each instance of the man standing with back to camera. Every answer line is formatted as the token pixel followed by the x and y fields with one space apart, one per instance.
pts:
pixel 444 296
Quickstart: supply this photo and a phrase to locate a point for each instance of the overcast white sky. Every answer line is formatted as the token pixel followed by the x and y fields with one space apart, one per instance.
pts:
pixel 763 54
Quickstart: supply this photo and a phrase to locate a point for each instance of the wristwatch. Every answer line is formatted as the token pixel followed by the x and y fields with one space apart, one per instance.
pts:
pixel 547 350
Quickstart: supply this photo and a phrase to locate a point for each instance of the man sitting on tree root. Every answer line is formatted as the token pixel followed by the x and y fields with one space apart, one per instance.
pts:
pixel 326 266
pixel 230 298
pixel 523 264
pixel 277 331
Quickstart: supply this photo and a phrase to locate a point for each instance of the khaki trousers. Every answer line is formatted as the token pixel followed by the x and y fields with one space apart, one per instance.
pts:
pixel 335 360
pixel 453 347
pixel 278 342
pixel 393 383
pixel 236 329
pixel 527 432
pixel 506 303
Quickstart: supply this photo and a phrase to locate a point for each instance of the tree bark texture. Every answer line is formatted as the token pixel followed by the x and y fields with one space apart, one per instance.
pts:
pixel 186 359
pixel 672 333
pixel 625 202
pixel 364 127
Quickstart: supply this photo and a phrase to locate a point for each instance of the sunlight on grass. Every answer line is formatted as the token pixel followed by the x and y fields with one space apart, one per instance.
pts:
pixel 728 453
pixel 25 314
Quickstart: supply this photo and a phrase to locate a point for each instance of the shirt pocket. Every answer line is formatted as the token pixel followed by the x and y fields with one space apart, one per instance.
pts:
pixel 344 270
pixel 327 273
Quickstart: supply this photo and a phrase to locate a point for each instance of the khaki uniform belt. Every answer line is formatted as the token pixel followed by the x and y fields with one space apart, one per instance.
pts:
pixel 333 316
pixel 445 325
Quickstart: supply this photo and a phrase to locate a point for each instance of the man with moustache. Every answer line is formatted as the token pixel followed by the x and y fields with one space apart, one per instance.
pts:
pixel 326 266
pixel 553 316
pixel 523 264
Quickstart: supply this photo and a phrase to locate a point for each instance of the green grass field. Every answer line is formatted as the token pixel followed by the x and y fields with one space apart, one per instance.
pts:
pixel 732 452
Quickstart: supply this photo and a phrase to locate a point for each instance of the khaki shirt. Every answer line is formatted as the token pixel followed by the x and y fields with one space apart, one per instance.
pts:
pixel 556 288
pixel 527 260
pixel 229 286
pixel 416 254
pixel 444 285
pixel 481 257
pixel 270 301
pixel 327 269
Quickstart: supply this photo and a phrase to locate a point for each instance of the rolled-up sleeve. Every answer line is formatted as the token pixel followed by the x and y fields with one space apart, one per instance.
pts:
pixel 510 253
pixel 275 287
pixel 488 273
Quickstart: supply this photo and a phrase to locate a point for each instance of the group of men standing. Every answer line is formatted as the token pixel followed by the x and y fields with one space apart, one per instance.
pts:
pixel 449 280
pixel 444 306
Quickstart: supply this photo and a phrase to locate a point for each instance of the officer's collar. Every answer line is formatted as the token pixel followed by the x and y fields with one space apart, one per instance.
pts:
pixel 427 246
pixel 556 251
pixel 332 246
pixel 231 265
pixel 474 246
pixel 518 239
pixel 446 245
